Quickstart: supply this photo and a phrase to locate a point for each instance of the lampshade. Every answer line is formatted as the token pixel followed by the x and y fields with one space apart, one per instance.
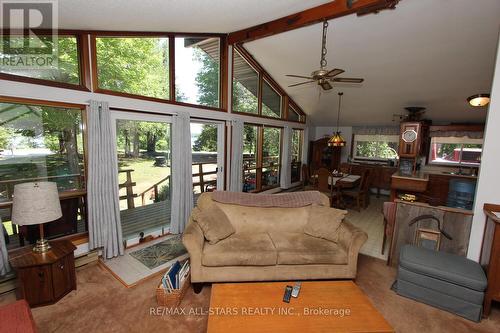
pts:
pixel 479 100
pixel 336 140
pixel 35 203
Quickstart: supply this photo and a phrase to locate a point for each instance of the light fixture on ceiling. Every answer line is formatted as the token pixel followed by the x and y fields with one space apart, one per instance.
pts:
pixel 479 100
pixel 337 140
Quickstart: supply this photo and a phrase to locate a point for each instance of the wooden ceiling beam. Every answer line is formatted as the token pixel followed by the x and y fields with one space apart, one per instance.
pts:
pixel 328 11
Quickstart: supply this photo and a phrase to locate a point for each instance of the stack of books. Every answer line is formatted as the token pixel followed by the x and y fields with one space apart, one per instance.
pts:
pixel 175 276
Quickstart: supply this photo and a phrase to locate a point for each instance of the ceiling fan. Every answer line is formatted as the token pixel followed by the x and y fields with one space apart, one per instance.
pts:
pixel 323 76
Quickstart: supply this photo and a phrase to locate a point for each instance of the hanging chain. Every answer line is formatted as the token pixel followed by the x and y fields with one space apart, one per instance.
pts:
pixel 338 113
pixel 323 61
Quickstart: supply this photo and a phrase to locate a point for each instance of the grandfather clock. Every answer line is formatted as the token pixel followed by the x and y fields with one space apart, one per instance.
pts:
pixel 409 146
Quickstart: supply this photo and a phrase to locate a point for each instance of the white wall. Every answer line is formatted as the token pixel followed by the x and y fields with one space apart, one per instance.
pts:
pixel 321 132
pixel 488 186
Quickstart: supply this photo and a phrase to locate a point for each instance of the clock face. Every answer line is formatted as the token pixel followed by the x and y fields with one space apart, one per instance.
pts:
pixel 409 136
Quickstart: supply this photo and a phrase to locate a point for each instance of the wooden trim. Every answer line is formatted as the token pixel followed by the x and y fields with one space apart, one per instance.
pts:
pixel 93 57
pixel 223 81
pixel 458 128
pixel 84 59
pixel 307 17
pixel 22 100
pixel 31 80
pixel 171 68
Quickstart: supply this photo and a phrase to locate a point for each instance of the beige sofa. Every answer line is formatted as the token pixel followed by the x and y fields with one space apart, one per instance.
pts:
pixel 269 244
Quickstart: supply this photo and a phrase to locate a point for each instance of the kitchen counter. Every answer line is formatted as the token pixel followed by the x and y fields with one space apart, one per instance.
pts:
pixel 418 176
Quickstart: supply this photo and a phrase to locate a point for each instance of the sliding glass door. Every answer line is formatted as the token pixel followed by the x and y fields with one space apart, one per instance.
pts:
pixel 207 142
pixel 143 144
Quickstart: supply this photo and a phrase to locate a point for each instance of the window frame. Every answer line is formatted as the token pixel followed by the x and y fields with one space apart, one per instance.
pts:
pixel 171 63
pixel 76 238
pixel 259 158
pixel 82 42
pixel 263 75
pixel 301 150
pixel 459 163
pixel 378 159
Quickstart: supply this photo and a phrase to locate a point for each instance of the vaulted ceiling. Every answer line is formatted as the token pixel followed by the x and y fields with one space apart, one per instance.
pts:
pixel 222 16
pixel 424 53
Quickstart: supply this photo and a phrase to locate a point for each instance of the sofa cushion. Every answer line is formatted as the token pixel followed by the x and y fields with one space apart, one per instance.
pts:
pixel 241 249
pixel 214 223
pixel 296 248
pixel 323 222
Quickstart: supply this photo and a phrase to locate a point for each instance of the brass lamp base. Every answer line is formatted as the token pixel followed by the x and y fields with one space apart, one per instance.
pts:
pixel 42 246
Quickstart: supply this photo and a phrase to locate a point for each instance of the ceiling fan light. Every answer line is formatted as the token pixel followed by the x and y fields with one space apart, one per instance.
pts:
pixel 325 85
pixel 336 140
pixel 479 100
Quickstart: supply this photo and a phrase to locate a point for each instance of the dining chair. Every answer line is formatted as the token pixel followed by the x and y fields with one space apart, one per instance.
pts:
pixel 322 185
pixel 361 193
pixel 345 168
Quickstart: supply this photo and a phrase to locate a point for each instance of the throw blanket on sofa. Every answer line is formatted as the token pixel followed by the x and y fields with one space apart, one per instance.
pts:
pixel 286 200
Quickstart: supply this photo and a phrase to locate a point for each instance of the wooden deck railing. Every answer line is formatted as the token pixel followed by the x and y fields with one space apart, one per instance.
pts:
pixel 154 189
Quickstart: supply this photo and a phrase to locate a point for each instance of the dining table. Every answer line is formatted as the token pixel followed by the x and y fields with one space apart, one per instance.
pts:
pixel 340 182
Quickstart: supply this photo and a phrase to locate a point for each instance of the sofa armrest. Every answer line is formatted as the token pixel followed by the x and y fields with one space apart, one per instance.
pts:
pixel 351 238
pixel 193 241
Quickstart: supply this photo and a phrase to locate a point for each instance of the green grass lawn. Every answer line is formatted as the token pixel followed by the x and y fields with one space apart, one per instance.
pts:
pixel 145 174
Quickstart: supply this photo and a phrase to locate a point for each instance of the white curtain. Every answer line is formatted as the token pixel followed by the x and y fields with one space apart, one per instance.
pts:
pixel 182 174
pixel 4 255
pixel 105 230
pixel 286 159
pixel 236 180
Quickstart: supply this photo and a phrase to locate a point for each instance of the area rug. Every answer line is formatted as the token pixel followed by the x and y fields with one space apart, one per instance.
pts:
pixel 160 253
pixel 146 261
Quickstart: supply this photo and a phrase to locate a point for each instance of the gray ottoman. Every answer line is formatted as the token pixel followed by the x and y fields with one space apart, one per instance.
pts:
pixel 446 281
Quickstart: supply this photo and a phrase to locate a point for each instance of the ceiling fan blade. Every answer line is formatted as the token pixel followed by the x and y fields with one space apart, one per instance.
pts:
pixel 325 85
pixel 299 76
pixel 334 72
pixel 298 84
pixel 348 80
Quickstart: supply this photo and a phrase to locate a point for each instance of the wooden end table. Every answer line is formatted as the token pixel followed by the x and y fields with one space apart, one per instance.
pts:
pixel 45 278
pixel 322 306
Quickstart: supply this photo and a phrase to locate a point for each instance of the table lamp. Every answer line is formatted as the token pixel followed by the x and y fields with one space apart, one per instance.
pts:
pixel 36 203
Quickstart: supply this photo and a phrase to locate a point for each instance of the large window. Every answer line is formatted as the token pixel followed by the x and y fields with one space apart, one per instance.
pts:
pixel 255 92
pixel 271 101
pixel 261 157
pixel 63 67
pixel 296 152
pixel 197 70
pixel 375 147
pixel 456 151
pixel 42 143
pixel 293 114
pixel 245 86
pixel 134 65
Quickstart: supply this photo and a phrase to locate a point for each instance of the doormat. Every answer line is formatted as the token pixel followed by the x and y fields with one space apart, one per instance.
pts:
pixel 134 266
pixel 160 253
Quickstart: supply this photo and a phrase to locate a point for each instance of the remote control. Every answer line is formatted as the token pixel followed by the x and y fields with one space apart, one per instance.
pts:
pixel 296 289
pixel 288 294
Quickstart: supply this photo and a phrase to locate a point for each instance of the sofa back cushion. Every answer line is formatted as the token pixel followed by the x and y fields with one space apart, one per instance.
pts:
pixel 253 219
pixel 213 222
pixel 323 222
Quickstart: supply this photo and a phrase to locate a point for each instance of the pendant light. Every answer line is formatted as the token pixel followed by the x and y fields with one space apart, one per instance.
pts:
pixel 337 140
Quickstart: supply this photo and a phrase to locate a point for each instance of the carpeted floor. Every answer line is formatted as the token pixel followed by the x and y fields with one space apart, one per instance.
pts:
pixel 102 304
